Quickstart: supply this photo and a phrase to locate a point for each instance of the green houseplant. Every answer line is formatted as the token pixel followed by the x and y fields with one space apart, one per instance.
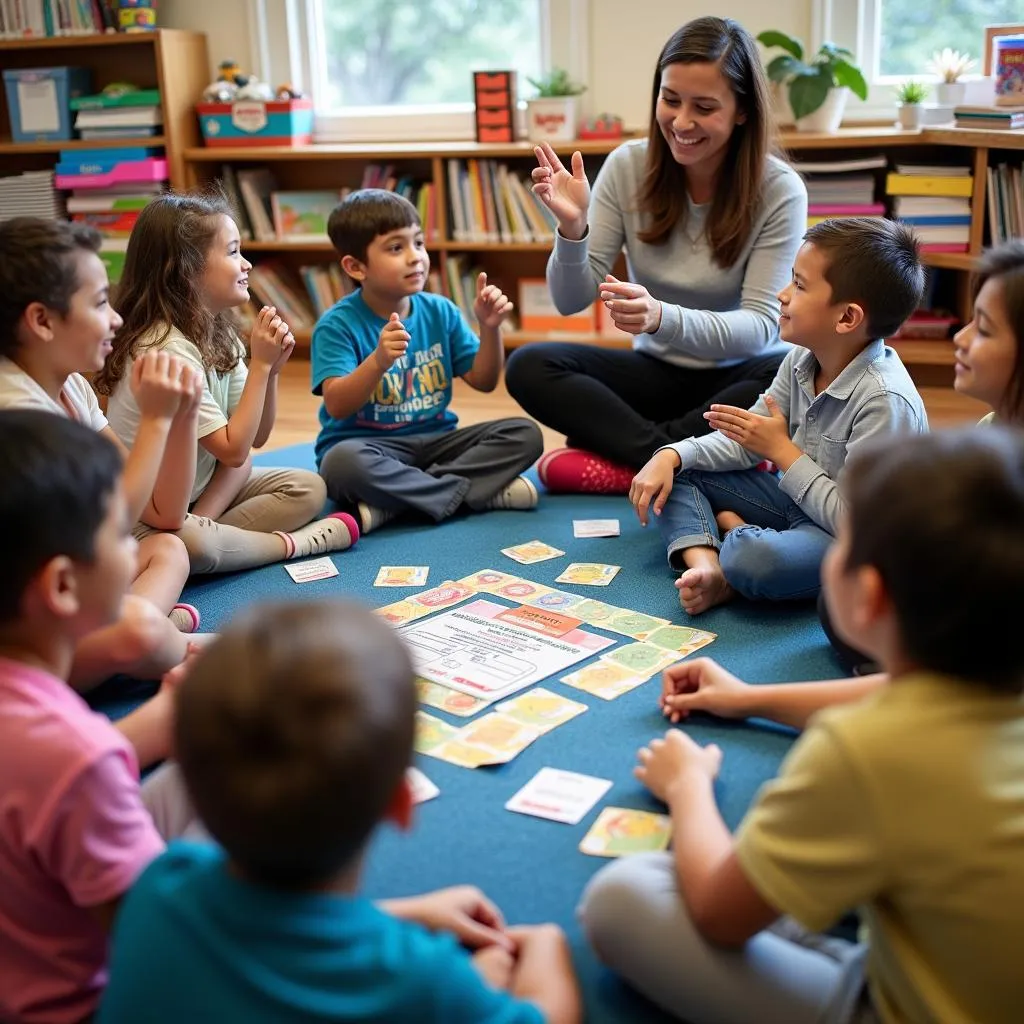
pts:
pixel 552 114
pixel 910 95
pixel 819 84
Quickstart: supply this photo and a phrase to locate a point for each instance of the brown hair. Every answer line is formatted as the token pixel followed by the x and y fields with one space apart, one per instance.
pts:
pixel 1005 263
pixel 662 195
pixel 928 513
pixel 363 215
pixel 875 263
pixel 38 263
pixel 160 286
pixel 293 732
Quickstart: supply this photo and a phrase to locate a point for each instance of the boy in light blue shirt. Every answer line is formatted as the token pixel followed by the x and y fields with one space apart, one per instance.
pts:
pixel 384 359
pixel 732 529
pixel 294 735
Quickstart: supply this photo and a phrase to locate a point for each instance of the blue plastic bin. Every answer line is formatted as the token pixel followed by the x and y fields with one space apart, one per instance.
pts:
pixel 47 93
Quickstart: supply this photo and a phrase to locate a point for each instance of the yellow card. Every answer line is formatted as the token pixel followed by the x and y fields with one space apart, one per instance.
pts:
pixel 443 596
pixel 588 574
pixel 604 679
pixel 681 639
pixel 523 591
pixel 435 695
pixel 401 576
pixel 431 732
pixel 488 580
pixel 499 733
pixel 532 551
pixel 541 708
pixel 619 831
pixel 465 755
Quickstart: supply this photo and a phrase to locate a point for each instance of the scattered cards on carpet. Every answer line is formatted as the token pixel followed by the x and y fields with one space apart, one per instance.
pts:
pixel 595 527
pixel 532 551
pixel 588 574
pixel 559 795
pixel 619 832
pixel 311 569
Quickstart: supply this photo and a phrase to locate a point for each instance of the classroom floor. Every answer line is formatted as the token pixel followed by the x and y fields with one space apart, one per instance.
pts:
pixel 297 408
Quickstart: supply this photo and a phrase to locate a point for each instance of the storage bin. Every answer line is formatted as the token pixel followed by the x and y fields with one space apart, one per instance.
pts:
pixel 39 101
pixel 257 123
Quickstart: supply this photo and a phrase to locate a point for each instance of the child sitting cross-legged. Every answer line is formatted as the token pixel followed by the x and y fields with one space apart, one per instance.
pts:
pixel 384 359
pixel 294 733
pixel 733 529
pixel 76 828
pixel 906 802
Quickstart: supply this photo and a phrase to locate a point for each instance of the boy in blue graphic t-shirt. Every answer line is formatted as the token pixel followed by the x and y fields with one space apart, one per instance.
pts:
pixel 384 359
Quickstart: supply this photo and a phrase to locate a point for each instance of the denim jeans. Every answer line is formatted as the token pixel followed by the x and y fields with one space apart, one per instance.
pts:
pixel 775 557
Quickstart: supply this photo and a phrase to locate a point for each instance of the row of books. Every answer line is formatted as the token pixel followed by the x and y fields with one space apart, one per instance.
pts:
pixel 488 202
pixel 25 19
pixel 1005 203
pixel 268 214
pixel 936 200
pixel 31 194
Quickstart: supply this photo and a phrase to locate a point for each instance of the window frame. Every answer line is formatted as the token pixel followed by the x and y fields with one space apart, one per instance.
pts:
pixel 288 47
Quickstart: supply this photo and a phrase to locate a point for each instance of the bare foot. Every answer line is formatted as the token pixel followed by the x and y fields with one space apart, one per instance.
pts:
pixel 728 521
pixel 703 588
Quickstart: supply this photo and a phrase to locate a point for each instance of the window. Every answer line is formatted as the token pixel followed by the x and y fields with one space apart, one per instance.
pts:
pixel 910 31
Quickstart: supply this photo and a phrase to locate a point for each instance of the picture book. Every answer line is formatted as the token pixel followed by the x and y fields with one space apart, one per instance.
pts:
pixel 302 216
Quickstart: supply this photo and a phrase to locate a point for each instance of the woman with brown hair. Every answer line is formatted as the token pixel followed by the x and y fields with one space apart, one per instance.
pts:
pixel 710 220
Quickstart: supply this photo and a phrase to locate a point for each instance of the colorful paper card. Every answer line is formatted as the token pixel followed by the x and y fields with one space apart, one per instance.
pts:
pixel 311 569
pixel 462 705
pixel 431 732
pixel 540 619
pixel 559 795
pixel 595 527
pixel 619 831
pixel 642 658
pixel 532 551
pixel 682 640
pixel 605 679
pixel 541 709
pixel 588 574
pixel 401 576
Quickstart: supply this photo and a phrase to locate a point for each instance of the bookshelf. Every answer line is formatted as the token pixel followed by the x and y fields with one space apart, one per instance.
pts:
pixel 172 60
pixel 335 166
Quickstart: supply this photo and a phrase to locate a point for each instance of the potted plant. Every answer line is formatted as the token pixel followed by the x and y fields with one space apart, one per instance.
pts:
pixel 552 115
pixel 911 95
pixel 817 89
pixel 950 65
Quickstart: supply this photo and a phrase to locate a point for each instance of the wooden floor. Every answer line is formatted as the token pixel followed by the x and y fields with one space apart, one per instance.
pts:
pixel 297 408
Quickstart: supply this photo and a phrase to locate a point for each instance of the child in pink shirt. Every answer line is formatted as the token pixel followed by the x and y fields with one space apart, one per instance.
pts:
pixel 76 829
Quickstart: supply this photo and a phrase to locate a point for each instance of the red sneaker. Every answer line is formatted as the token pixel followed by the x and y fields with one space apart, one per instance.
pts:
pixel 574 471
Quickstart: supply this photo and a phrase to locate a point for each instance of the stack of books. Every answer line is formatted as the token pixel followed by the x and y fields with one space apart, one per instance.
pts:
pixel 841 188
pixel 488 202
pixel 988 118
pixel 936 200
pixel 31 194
pixel 108 189
pixel 1005 200
pixel 128 115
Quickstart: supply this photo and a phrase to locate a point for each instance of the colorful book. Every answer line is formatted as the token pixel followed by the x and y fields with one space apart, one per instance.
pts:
pixel 103 101
pixel 302 216
pixel 929 185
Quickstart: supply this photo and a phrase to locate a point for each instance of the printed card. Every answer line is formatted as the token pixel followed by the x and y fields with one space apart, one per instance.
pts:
pixel 540 620
pixel 488 580
pixel 595 527
pixel 311 569
pixel 402 576
pixel 493 739
pixel 431 732
pixel 681 639
pixel 443 596
pixel 559 795
pixel 619 832
pixel 401 612
pixel 642 658
pixel 532 551
pixel 635 624
pixel 524 591
pixel 588 574
pixel 422 788
pixel 462 705
pixel 605 680
pixel 553 600
pixel 595 613
pixel 541 708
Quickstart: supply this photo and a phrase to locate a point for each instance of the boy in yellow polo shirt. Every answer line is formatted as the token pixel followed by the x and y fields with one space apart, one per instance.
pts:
pixel 907 804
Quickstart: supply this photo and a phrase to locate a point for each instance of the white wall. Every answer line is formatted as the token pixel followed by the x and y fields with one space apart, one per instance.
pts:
pixel 625 39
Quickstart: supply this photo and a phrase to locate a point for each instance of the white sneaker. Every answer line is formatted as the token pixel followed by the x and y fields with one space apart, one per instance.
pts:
pixel 372 518
pixel 519 495
pixel 335 533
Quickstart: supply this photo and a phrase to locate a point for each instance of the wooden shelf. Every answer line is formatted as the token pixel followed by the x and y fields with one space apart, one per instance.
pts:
pixel 949 260
pixel 9 147
pixel 435 245
pixel 925 351
pixel 95 39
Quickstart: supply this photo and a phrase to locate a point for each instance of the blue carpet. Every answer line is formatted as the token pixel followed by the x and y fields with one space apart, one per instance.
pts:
pixel 532 868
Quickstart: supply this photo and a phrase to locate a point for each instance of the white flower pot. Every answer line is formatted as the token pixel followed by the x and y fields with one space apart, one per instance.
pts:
pixel 828 116
pixel 950 94
pixel 910 115
pixel 551 119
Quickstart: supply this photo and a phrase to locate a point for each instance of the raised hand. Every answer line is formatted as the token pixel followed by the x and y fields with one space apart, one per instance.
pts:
pixel 632 307
pixel 392 344
pixel 492 305
pixel 702 685
pixel 158 385
pixel 766 436
pixel 654 483
pixel 566 193
pixel 268 343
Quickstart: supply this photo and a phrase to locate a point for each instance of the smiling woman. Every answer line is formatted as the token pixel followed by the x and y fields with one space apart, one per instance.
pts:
pixel 710 221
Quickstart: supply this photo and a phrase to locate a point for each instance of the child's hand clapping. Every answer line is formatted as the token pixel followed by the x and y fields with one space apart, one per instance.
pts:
pixel 193 385
pixel 160 383
pixel 271 341
pixel 492 305
pixel 394 340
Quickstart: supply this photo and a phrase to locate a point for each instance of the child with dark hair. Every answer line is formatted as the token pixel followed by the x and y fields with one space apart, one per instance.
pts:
pixel 907 804
pixel 75 828
pixel 56 324
pixel 239 517
pixel 733 529
pixel 294 734
pixel 384 359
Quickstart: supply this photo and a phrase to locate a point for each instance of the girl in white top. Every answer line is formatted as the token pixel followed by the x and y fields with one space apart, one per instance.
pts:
pixel 56 322
pixel 184 273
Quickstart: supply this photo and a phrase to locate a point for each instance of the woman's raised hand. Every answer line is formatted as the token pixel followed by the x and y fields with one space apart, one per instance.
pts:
pixel 565 193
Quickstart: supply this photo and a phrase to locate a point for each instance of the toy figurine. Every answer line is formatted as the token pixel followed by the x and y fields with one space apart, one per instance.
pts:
pixel 136 15
pixel 228 71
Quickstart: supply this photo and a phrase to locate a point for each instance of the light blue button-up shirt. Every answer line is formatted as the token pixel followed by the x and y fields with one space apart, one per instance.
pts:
pixel 873 396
